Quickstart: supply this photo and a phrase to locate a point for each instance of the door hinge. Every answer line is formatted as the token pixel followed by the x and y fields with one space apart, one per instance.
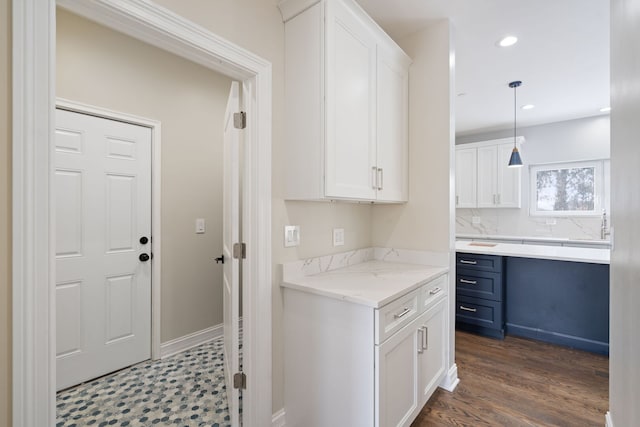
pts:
pixel 239 250
pixel 240 381
pixel 240 120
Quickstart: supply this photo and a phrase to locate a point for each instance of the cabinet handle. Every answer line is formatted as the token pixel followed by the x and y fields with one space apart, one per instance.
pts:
pixel 457 200
pixel 374 177
pixel 420 340
pixel 464 261
pixel 494 199
pixel 425 338
pixel 404 313
pixel 434 291
pixel 380 179
pixel 473 310
pixel 469 282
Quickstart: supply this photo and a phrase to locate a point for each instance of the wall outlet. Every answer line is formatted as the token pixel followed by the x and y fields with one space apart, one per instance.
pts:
pixel 475 220
pixel 291 235
pixel 200 226
pixel 550 221
pixel 338 236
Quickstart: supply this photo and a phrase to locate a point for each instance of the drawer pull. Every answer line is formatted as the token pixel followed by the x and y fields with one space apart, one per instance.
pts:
pixel 425 338
pixel 468 282
pixel 434 291
pixel 473 310
pixel 464 261
pixel 404 313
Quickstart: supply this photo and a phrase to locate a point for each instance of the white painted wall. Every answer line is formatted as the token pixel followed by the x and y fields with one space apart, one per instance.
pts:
pixel 426 222
pixel 624 370
pixel 572 140
pixel 98 66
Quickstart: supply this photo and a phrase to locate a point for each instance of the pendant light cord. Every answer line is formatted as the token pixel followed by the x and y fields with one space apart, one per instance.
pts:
pixel 515 114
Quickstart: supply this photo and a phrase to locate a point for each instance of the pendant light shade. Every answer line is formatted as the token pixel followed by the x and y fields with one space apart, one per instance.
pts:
pixel 515 161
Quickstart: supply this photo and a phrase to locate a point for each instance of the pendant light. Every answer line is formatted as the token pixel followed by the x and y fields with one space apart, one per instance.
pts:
pixel 515 161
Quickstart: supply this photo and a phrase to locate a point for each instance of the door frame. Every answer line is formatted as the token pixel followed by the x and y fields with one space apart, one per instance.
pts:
pixel 33 93
pixel 156 202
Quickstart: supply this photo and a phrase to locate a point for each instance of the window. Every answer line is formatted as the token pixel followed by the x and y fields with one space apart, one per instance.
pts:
pixel 567 189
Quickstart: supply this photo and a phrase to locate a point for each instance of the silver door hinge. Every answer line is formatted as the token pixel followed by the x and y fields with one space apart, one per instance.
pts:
pixel 239 250
pixel 240 120
pixel 240 381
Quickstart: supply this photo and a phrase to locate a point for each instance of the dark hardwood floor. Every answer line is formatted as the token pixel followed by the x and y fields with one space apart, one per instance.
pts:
pixel 519 382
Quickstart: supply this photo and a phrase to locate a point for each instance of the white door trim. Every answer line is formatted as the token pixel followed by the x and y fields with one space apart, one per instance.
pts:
pixel 156 194
pixel 33 251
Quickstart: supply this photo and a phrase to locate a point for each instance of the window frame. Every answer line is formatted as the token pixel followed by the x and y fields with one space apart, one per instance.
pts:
pixel 599 188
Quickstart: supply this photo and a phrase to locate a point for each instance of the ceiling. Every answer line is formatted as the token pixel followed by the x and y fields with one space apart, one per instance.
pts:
pixel 562 56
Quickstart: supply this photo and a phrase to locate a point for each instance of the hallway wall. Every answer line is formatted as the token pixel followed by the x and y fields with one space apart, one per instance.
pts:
pixel 98 66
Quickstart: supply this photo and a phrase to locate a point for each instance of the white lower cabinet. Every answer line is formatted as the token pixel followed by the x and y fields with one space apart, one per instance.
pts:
pixel 348 364
pixel 410 366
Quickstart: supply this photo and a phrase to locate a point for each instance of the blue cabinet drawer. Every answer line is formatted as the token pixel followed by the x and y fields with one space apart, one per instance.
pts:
pixel 481 312
pixel 479 284
pixel 479 262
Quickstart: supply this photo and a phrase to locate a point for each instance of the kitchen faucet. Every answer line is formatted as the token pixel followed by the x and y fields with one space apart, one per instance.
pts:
pixel 604 232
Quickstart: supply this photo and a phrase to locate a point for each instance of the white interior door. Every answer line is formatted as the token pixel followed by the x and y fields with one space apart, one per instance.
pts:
pixel 231 235
pixel 103 282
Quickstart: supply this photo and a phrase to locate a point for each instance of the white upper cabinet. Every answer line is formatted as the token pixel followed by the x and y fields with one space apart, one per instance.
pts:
pixel 483 179
pixel 346 93
pixel 466 173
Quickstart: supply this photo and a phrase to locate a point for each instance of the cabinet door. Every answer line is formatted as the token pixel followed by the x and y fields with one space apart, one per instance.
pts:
pixel 487 164
pixel 397 388
pixel 466 175
pixel 392 126
pixel 350 154
pixel 508 180
pixel 432 361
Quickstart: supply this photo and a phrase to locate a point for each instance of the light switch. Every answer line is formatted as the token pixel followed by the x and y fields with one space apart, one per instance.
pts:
pixel 291 235
pixel 200 226
pixel 338 236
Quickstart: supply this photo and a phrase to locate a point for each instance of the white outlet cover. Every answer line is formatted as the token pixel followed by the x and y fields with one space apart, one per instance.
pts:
pixel 291 235
pixel 475 220
pixel 338 236
pixel 551 221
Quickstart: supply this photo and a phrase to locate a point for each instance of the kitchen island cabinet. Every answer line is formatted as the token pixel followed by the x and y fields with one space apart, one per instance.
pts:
pixel 553 294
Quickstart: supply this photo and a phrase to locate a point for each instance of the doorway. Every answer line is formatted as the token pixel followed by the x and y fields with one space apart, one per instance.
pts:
pixel 34 376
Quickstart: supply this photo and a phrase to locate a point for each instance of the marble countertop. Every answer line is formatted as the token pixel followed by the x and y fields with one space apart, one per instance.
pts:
pixel 370 283
pixel 561 240
pixel 558 253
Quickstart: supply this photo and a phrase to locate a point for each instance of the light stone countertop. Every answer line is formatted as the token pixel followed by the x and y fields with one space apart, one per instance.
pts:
pixel 558 253
pixel 370 283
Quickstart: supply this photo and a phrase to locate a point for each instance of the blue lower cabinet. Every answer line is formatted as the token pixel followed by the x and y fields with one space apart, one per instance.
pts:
pixel 480 294
pixel 480 315
pixel 559 302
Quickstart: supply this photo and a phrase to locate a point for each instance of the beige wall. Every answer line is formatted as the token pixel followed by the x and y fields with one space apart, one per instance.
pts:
pixel 257 26
pixel 98 66
pixel 5 213
pixel 624 371
pixel 424 222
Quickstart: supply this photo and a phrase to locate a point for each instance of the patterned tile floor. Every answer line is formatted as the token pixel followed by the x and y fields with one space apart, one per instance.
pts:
pixel 184 390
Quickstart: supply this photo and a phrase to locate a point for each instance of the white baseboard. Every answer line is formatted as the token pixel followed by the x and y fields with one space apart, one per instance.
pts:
pixel 608 420
pixel 450 380
pixel 186 342
pixel 277 420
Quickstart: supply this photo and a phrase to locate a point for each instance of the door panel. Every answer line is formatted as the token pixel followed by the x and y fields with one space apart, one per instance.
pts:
pixel 231 235
pixel 102 207
pixel 350 146
pixel 508 179
pixel 487 193
pixel 466 175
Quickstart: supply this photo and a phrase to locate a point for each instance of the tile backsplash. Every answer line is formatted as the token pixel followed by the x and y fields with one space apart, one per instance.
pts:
pixel 517 222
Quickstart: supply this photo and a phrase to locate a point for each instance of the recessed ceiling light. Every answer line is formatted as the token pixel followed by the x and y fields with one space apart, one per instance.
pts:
pixel 528 107
pixel 605 109
pixel 507 41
